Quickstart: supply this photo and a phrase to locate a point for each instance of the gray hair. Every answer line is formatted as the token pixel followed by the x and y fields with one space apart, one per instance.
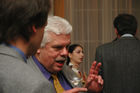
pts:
pixel 57 25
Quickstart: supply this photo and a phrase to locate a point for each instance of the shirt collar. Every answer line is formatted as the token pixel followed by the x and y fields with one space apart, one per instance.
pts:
pixel 19 51
pixel 70 64
pixel 45 72
pixel 127 35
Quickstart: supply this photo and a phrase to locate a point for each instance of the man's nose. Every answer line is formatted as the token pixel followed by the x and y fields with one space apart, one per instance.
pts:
pixel 64 52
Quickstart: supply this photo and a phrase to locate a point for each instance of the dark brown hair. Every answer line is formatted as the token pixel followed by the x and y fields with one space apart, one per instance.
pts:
pixel 18 16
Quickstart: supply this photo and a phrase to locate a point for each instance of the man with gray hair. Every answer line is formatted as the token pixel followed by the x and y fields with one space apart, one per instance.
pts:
pixel 50 59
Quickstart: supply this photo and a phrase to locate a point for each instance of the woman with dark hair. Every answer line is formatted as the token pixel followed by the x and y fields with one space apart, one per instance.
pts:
pixel 75 58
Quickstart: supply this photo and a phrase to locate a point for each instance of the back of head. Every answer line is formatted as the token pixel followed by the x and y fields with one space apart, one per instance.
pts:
pixel 125 24
pixel 18 16
pixel 56 25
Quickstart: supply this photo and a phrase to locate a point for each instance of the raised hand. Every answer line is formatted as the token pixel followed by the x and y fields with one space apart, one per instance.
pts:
pixel 95 68
pixel 94 81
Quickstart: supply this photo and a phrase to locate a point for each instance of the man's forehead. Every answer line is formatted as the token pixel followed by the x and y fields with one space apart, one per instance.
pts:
pixel 60 40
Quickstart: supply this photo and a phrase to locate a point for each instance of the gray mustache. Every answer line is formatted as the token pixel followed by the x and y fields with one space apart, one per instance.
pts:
pixel 60 59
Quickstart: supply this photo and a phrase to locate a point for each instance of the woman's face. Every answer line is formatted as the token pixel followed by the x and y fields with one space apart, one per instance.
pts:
pixel 77 55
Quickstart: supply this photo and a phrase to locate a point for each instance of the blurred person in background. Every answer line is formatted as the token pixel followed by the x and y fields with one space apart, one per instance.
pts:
pixel 75 58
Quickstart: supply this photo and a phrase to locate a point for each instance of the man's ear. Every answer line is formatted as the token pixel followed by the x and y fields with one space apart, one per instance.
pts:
pixel 116 31
pixel 34 29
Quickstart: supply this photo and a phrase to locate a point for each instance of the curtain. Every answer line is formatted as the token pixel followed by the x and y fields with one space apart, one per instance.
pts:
pixel 92 22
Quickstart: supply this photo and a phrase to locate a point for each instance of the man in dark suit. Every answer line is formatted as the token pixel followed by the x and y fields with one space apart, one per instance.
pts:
pixel 50 59
pixel 121 58
pixel 22 25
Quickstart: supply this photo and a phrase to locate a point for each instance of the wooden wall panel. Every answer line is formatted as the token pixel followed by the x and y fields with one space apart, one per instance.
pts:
pixel 59 8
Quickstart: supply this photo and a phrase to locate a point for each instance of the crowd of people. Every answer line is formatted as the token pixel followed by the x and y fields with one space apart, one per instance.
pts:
pixel 36 55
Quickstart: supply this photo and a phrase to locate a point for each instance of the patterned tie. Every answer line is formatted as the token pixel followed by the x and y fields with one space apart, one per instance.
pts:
pixel 57 85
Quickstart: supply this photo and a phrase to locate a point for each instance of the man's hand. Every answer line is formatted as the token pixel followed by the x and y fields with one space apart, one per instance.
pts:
pixel 94 81
pixel 76 90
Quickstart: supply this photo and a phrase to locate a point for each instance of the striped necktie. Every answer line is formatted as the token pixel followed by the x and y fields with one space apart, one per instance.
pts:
pixel 57 85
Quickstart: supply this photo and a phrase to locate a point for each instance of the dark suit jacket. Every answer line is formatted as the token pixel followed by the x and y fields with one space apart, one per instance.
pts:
pixel 120 65
pixel 17 77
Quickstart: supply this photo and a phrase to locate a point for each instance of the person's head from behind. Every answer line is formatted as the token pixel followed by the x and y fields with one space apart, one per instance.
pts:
pixel 75 54
pixel 23 19
pixel 125 24
pixel 53 51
